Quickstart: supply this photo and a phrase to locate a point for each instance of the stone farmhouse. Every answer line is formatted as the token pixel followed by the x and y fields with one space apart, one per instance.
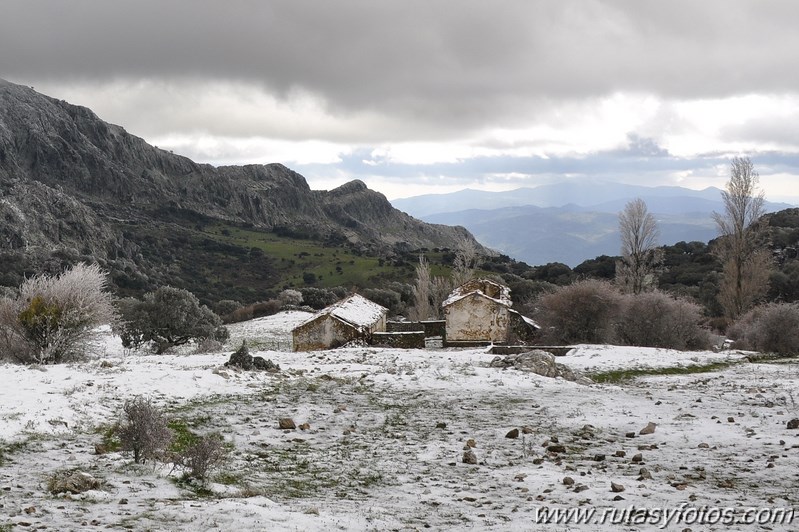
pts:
pixel 352 318
pixel 479 311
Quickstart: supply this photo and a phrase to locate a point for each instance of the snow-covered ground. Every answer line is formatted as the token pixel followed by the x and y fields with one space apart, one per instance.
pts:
pixel 387 434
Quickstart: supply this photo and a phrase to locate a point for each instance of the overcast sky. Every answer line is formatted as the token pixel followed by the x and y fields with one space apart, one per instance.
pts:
pixel 418 96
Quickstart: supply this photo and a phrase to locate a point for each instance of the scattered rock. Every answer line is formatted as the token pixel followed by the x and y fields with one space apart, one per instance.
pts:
pixel 469 457
pixel 638 458
pixel 649 429
pixel 286 423
pixel 263 364
pixel 305 426
pixel 441 425
pixel 704 446
pixel 793 424
pixel 471 443
pixel 541 363
pixel 527 430
pixel 630 435
pixel 620 454
pixel 618 498
pixel 616 488
pixel 242 359
pixel 73 482
pixel 568 481
pixel 730 419
pixel 580 487
pixel 30 510
pixel 599 458
pixel 123 501
pixel 644 474
pixel 512 434
pixel 556 448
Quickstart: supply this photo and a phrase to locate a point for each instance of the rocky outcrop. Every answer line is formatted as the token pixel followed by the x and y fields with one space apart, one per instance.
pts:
pixel 541 363
pixel 73 185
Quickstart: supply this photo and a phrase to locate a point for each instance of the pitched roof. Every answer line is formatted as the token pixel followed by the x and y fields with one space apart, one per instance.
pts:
pixel 355 310
pixel 483 287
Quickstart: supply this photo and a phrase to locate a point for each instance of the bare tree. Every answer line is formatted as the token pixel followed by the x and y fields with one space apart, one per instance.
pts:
pixel 465 261
pixel 640 257
pixel 422 292
pixel 745 263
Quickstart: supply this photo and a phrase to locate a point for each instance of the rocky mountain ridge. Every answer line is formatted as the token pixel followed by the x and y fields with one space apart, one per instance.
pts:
pixel 73 187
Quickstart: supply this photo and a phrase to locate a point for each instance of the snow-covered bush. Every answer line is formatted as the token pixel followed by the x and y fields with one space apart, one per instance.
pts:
pixel 290 298
pixel 144 430
pixel 54 319
pixel 656 319
pixel 168 317
pixel 770 328
pixel 582 312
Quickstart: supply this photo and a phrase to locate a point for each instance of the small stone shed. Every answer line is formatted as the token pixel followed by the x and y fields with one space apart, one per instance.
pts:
pixel 479 311
pixel 354 317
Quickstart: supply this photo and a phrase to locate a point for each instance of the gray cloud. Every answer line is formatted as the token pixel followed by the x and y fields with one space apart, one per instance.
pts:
pixel 456 63
pixel 530 86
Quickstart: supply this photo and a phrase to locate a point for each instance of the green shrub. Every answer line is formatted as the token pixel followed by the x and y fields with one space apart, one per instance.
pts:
pixel 168 317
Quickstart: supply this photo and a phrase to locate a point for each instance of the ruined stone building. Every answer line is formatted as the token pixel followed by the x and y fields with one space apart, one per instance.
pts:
pixel 479 311
pixel 354 317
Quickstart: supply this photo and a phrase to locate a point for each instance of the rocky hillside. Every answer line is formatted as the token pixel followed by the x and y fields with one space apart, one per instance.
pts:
pixel 73 187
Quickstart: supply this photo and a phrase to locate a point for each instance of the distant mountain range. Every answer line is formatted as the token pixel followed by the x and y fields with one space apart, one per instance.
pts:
pixel 569 222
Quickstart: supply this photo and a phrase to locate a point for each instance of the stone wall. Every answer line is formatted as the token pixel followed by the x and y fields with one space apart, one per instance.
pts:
pixel 402 340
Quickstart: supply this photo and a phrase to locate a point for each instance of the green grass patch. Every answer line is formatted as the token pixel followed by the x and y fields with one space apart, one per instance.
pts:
pixel 110 437
pixel 182 437
pixel 622 375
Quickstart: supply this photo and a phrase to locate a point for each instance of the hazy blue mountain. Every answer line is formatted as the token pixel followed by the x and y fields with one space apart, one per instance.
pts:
pixel 569 222
pixel 556 195
pixel 568 234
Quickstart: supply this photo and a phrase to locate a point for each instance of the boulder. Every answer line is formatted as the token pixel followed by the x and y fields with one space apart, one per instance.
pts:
pixel 541 363
pixel 73 482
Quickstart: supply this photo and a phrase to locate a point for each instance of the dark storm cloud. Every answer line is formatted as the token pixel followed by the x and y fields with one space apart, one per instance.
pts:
pixel 447 64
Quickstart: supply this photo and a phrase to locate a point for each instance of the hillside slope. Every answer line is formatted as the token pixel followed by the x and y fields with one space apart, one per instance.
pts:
pixel 73 187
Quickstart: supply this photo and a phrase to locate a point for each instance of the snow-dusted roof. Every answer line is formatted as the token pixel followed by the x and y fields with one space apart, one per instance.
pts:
pixel 483 287
pixel 355 310
pixel 527 320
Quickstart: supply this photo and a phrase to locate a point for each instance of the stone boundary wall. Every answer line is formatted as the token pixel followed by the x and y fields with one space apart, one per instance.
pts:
pixel 431 328
pixel 402 340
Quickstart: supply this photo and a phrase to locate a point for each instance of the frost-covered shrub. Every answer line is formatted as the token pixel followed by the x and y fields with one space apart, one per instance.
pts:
pixel 54 319
pixel 770 328
pixel 290 298
pixel 202 456
pixel 655 319
pixel 168 317
pixel 144 430
pixel 582 312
